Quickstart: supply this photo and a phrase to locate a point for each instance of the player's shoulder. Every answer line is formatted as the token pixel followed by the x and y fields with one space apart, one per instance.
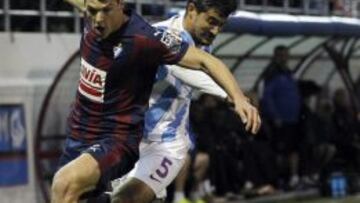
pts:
pixel 173 24
pixel 145 32
pixel 162 30
pixel 161 33
pixel 164 24
pixel 138 26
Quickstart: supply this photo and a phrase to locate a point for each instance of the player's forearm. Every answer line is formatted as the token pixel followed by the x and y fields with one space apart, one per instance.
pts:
pixel 198 59
pixel 223 77
pixel 79 4
pixel 198 80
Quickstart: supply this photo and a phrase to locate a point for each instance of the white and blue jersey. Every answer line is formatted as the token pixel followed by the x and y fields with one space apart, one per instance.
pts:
pixel 168 116
pixel 166 137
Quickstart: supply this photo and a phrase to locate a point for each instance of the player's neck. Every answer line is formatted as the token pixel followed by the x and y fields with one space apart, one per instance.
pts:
pixel 123 21
pixel 186 23
pixel 188 26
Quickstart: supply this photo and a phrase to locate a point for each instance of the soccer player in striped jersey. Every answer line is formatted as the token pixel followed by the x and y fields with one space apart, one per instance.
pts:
pixel 166 141
pixel 120 55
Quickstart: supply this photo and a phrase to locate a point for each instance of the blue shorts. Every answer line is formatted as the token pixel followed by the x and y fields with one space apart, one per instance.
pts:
pixel 115 158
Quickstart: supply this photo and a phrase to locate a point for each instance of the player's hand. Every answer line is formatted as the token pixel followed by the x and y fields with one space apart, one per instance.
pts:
pixel 248 113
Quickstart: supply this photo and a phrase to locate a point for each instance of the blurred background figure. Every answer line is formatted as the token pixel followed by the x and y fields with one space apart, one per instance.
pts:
pixel 259 159
pixel 281 108
pixel 346 140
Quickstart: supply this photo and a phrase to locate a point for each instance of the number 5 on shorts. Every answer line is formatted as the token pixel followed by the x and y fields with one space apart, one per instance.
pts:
pixel 163 171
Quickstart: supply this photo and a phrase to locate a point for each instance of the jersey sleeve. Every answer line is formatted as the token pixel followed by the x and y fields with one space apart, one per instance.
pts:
pixel 172 47
pixel 197 79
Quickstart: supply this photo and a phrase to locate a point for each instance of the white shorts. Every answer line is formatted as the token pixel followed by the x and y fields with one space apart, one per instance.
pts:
pixel 158 164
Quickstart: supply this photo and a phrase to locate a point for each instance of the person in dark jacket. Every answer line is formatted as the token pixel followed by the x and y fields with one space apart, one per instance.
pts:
pixel 281 104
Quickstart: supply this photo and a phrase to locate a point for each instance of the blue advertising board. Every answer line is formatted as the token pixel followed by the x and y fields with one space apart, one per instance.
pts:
pixel 13 147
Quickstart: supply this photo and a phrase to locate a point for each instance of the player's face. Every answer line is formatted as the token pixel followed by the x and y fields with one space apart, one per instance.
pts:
pixel 206 25
pixel 106 15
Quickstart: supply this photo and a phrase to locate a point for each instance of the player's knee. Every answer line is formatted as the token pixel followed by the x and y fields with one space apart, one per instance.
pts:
pixel 59 185
pixel 122 196
pixel 204 159
pixel 65 185
pixel 125 195
pixel 64 191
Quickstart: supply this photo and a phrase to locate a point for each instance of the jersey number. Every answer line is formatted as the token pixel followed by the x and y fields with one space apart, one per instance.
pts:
pixel 163 171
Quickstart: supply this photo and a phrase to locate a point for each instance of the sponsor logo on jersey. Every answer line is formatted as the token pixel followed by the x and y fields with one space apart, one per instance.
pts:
pixel 170 38
pixel 92 82
pixel 117 50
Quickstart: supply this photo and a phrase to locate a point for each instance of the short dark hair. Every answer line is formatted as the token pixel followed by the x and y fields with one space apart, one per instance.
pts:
pixel 224 7
pixel 280 48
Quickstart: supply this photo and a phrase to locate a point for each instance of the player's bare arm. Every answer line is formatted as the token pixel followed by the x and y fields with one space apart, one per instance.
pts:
pixel 198 59
pixel 198 80
pixel 79 4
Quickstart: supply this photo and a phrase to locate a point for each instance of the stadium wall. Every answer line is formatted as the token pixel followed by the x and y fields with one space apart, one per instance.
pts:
pixel 29 63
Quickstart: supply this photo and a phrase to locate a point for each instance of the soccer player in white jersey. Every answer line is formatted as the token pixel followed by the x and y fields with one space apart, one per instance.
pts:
pixel 166 139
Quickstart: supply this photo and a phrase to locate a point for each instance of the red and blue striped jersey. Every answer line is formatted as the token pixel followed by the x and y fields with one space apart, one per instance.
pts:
pixel 116 78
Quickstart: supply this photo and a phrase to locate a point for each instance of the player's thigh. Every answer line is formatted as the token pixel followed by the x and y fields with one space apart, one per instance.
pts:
pixel 202 159
pixel 83 172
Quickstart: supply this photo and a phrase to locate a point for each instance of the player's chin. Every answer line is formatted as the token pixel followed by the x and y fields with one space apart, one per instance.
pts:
pixel 103 35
